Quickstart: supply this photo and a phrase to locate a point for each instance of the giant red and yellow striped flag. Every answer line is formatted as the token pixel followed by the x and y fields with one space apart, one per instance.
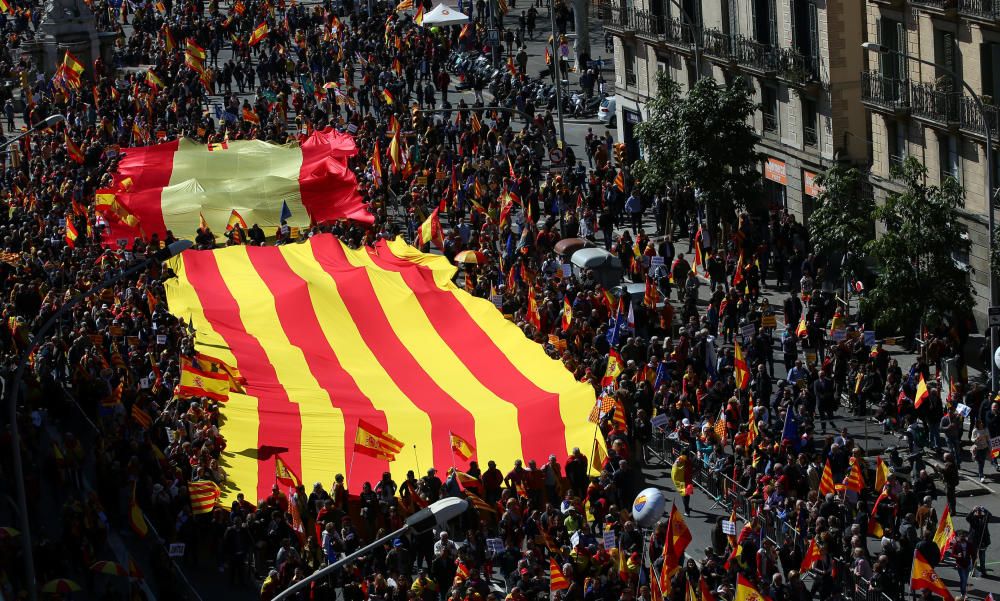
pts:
pixel 204 494
pixel 174 182
pixel 326 335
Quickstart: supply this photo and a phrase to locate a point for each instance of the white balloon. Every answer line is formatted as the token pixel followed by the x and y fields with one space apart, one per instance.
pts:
pixel 647 509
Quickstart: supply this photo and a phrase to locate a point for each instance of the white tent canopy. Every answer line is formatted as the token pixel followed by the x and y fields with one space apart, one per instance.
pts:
pixel 444 15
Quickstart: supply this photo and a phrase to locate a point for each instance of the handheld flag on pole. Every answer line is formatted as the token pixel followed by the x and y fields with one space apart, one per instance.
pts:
pixel 923 577
pixel 461 447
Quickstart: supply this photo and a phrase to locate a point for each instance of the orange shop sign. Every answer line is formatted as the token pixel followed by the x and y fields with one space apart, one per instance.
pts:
pixel 774 170
pixel 809 183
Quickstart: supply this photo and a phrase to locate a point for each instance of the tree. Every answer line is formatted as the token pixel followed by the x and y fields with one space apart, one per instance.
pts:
pixel 919 282
pixel 704 138
pixel 842 222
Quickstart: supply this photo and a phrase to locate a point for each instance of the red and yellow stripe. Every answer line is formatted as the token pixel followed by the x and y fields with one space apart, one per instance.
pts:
pixel 326 336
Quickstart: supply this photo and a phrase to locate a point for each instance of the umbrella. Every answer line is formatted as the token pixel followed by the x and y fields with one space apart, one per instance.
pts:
pixel 110 568
pixel 7 532
pixel 61 585
pixel 470 257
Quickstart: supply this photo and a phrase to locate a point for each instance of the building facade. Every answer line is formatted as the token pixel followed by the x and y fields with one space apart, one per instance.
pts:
pixel 801 57
pixel 922 110
pixel 823 99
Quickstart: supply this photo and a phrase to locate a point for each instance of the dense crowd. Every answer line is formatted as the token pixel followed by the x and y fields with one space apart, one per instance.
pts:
pixel 119 350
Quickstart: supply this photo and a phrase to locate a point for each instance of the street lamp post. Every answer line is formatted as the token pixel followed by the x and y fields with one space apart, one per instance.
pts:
pixel 556 68
pixel 989 183
pixel 438 513
pixel 11 392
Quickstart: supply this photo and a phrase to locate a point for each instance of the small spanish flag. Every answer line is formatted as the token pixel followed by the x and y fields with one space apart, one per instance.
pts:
pixel 4 7
pixel 387 96
pixel 236 219
pixel 154 82
pixel 258 34
pixel 419 17
pixel 461 447
pixel 73 150
pixel 567 316
pixel 71 234
pixel 620 181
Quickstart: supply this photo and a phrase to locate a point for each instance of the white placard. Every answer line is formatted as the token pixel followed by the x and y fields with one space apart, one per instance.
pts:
pixel 575 539
pixel 655 261
pixel 567 270
pixel 659 421
pixel 176 550
pixel 748 330
pixel 497 300
pixel 963 409
pixel 729 527
pixel 494 545
pixel 143 382
pixel 161 339
pixel 609 539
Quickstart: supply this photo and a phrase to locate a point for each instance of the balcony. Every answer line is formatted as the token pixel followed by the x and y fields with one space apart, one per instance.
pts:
pixel 797 68
pixel 938 106
pixel 616 18
pixel 885 94
pixel 718 45
pixel 755 55
pixel 679 34
pixel 987 10
pixel 810 137
pixel 971 119
pixel 944 8
pixel 770 122
pixel 646 23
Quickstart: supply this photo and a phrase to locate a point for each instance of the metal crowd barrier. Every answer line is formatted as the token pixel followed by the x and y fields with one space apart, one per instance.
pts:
pixel 731 496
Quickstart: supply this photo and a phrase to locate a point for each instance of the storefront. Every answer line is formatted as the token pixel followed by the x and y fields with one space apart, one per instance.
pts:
pixel 630 121
pixel 775 182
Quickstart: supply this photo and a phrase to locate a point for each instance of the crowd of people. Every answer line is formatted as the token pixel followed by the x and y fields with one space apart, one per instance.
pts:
pixel 113 360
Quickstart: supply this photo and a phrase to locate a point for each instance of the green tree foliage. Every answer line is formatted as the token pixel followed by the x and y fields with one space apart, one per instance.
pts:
pixel 918 280
pixel 842 221
pixel 703 138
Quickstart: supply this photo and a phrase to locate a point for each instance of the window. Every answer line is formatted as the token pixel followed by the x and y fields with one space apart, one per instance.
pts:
pixel 892 34
pixel 896 143
pixel 946 55
pixel 769 108
pixel 765 22
pixel 810 132
pixel 805 33
pixel 989 60
pixel 629 53
pixel 949 157
pixel 691 73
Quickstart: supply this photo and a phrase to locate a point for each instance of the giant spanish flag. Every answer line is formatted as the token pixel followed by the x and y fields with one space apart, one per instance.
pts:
pixel 327 336
pixel 167 186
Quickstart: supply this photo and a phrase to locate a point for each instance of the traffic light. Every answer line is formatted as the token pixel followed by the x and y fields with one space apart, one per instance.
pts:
pixel 621 153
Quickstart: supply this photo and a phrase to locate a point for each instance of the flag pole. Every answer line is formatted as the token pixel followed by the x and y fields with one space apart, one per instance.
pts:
pixel 451 437
pixel 350 469
pixel 416 458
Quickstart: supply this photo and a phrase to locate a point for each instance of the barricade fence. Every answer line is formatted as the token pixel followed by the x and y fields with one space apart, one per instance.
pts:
pixel 731 496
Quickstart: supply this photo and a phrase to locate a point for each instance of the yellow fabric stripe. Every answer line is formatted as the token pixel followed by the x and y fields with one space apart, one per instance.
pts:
pixel 241 421
pixel 240 425
pixel 497 431
pixel 251 176
pixel 183 301
pixel 321 447
pixel 576 399
pixel 405 421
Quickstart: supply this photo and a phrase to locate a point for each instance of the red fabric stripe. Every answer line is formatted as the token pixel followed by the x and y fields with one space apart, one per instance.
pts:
pixel 279 428
pixel 538 416
pixel 300 324
pixel 150 168
pixel 329 190
pixel 356 289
